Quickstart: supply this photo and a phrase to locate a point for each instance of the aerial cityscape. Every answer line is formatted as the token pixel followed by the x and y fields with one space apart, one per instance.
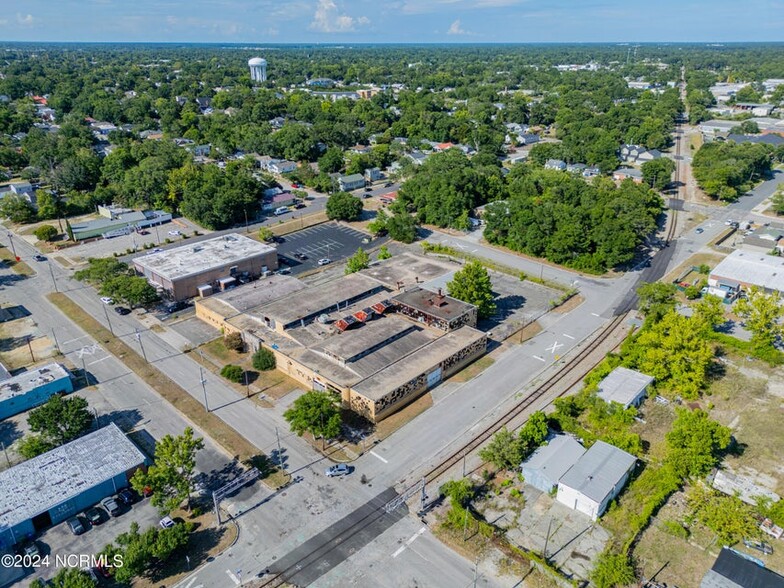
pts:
pixel 430 293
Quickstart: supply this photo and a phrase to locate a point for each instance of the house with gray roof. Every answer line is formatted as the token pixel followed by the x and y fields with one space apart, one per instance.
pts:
pixel 624 386
pixel 550 462
pixel 555 164
pixel 595 479
pixel 733 569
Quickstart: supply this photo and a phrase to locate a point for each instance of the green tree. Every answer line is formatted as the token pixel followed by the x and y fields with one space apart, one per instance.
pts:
pixel 761 313
pixel 171 476
pixel 66 578
pixel 233 373
pixel 383 253
pixel 656 299
pixel 133 290
pixel 264 359
pixel 695 442
pixel 378 226
pixel 613 570
pixel 17 209
pixel 331 161
pixel 61 419
pixel 533 433
pixel 727 516
pixel 472 284
pixel 31 446
pixel 359 261
pixel 344 206
pixel 658 172
pixel 101 269
pixel 402 227
pixel 316 413
pixel 266 234
pixel 675 352
pixel 45 233
pixel 234 342
pixel 504 450
pixel 710 310
pixel 460 492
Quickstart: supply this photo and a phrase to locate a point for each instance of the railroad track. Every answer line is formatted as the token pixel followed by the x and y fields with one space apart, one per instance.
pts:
pixel 569 372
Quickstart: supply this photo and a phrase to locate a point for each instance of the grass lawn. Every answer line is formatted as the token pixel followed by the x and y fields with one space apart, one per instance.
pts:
pixel 392 423
pixel 205 542
pixel 19 267
pixel 696 260
pixel 473 370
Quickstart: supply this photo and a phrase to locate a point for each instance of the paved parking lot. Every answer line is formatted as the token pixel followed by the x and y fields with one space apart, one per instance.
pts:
pixel 328 241
pixel 60 541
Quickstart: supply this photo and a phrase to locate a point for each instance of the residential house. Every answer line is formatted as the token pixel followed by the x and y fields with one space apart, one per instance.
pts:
pixel 205 104
pixel 733 569
pixel 527 139
pixel 417 157
pixel 576 168
pixel 590 172
pixel 360 149
pixel 765 240
pixel 200 150
pixel 373 174
pixel 595 479
pixel 278 200
pixel 638 154
pixel 555 164
pixel 756 109
pixel 624 386
pixel 550 462
pixel 277 122
pixel 351 182
pixel 282 167
pixel 628 173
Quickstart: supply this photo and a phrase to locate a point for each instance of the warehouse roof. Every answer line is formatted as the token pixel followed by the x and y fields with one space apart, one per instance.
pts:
pixel 756 269
pixel 397 374
pixel 433 303
pixel 732 570
pixel 598 471
pixel 39 484
pixel 623 386
pixel 241 299
pixel 197 258
pixel 321 299
pixel 25 382
pixel 408 270
pixel 555 458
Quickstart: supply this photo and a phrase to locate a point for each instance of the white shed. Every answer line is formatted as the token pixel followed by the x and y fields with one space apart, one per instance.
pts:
pixel 624 386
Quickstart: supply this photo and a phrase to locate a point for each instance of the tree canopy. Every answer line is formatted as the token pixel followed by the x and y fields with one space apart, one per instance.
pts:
pixel 344 206
pixel 472 284
pixel 316 413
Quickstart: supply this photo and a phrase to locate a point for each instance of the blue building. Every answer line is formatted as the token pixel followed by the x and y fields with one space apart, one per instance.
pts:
pixel 31 388
pixel 61 483
pixel 550 462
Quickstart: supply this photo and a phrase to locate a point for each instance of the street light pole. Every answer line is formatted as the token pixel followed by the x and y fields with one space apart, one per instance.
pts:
pixel 204 388
pixel 139 339
pixel 11 242
pixel 111 330
pixel 51 272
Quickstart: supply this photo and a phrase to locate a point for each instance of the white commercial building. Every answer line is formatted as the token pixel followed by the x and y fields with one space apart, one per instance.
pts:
pixel 744 269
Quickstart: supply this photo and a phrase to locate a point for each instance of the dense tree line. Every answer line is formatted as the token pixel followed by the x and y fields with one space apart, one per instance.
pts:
pixel 725 170
pixel 589 226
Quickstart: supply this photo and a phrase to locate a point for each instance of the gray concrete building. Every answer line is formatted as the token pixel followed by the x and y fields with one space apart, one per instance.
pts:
pixel 550 462
pixel 624 386
pixel 206 266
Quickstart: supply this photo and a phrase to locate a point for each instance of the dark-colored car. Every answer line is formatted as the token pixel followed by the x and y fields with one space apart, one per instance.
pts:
pixel 299 205
pixel 300 256
pixel 121 310
pixel 174 306
pixel 94 515
pixel 111 505
pixel 39 258
pixel 75 525
pixel 127 496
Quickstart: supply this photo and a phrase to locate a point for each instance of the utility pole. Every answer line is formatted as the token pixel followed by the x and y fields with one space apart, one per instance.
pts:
pixel 547 538
pixel 476 566
pixel 465 524
pixel 54 282
pixel 280 455
pixel 204 388
pixel 84 372
pixel 56 345
pixel 247 384
pixel 139 339
pixel 30 347
pixel 11 242
pixel 106 314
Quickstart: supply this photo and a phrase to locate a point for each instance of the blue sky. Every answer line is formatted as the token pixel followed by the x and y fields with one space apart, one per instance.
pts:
pixel 388 21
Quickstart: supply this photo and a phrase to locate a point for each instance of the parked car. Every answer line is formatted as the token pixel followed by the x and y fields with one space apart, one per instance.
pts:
pixel 93 515
pixel 699 230
pixel 166 522
pixel 31 550
pixel 283 271
pixel 340 469
pixel 75 525
pixel 388 185
pixel 324 261
pixel 127 496
pixel 39 258
pixel 281 210
pixel 111 505
pixel 107 300
pixel 300 256
pixel 121 310
pixel 174 306
pixel 299 205
pixel 175 233
pixel 368 188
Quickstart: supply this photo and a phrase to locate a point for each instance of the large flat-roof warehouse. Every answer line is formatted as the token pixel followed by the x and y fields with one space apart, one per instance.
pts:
pixel 378 347
pixel 52 487
pixel 206 266
pixel 33 387
pixel 745 268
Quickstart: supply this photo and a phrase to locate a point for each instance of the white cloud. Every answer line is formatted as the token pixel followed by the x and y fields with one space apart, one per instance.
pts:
pixel 328 19
pixel 455 29
pixel 25 20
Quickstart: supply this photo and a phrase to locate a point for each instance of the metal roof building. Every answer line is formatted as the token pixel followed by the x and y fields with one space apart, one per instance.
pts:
pixel 597 477
pixel 735 570
pixel 624 386
pixel 550 462
pixel 749 269
pixel 55 486
pixel 33 387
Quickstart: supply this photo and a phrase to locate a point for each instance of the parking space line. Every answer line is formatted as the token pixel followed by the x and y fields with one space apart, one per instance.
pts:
pixel 378 456
pixel 72 340
pixel 540 358
pixel 234 578
pixel 568 336
pixel 99 360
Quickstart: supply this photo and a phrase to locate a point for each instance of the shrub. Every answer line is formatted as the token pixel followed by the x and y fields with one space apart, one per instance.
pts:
pixel 675 529
pixel 264 360
pixel 233 373
pixel 234 342
pixel 45 233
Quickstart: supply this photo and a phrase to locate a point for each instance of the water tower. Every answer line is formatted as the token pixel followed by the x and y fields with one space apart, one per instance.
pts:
pixel 258 69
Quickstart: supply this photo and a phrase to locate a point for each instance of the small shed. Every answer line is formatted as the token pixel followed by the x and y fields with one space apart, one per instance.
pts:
pixel 624 386
pixel 547 464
